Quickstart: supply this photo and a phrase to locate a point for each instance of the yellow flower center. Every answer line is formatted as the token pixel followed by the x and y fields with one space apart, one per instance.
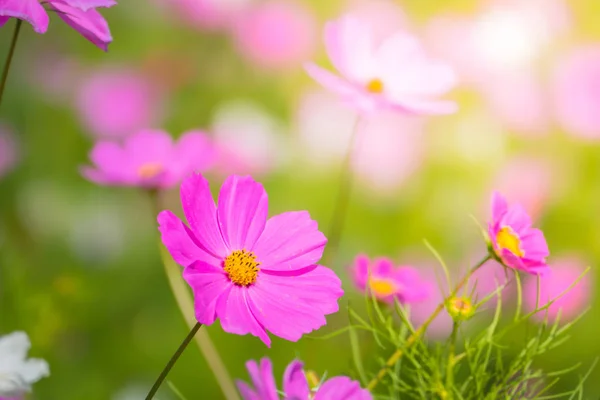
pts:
pixel 375 86
pixel 382 287
pixel 312 378
pixel 150 170
pixel 242 267
pixel 508 239
pixel 460 307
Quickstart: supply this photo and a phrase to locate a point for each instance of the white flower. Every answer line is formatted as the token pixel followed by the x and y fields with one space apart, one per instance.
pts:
pixel 17 373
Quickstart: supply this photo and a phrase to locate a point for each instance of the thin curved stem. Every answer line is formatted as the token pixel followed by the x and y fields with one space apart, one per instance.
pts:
pixel 421 330
pixel 338 217
pixel 11 52
pixel 172 361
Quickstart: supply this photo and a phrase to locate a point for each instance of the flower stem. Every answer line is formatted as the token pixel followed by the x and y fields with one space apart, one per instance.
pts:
pixel 186 306
pixel 172 361
pixel 343 197
pixel 9 58
pixel 451 361
pixel 421 330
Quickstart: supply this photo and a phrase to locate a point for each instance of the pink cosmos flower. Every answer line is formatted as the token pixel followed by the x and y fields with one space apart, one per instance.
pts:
pixel 149 159
pixel 114 103
pixel 387 282
pixel 255 275
pixel 296 385
pixel 9 153
pixel 515 242
pixel 81 15
pixel 577 92
pixel 565 271
pixel 276 34
pixel 395 74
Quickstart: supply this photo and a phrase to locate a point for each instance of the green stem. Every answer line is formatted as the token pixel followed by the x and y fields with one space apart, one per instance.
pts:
pixel 172 361
pixel 450 366
pixel 421 330
pixel 343 197
pixel 11 52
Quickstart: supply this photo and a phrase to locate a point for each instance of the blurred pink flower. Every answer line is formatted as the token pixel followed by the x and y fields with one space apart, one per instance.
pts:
pixel 565 271
pixel 515 242
pixel 81 15
pixel 248 140
pixel 252 273
pixel 276 34
pixel 207 14
pixel 9 151
pixel 296 386
pixel 114 103
pixel 395 74
pixel 577 92
pixel 528 181
pixel 149 159
pixel 387 282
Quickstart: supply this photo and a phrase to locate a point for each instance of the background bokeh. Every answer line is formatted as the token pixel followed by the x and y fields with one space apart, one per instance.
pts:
pixel 80 267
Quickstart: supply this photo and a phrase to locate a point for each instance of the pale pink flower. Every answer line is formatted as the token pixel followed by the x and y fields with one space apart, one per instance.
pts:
pixel 149 159
pixel 577 92
pixel 395 74
pixel 9 151
pixel 565 271
pixel 116 102
pixel 277 34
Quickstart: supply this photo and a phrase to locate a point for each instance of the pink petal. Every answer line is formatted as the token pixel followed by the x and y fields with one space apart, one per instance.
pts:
pixel 282 312
pixel 413 288
pixel 180 241
pixel 294 381
pixel 235 315
pixel 499 206
pixel 342 388
pixel 246 391
pixel 534 244
pixel 85 5
pixel 96 176
pixel 149 146
pixel 209 284
pixel 333 82
pixel 431 107
pixel 318 286
pixel 112 162
pixel 361 270
pixel 27 10
pixel 193 153
pixel 517 218
pixel 262 378
pixel 290 241
pixel 201 213
pixel 349 47
pixel 382 267
pixel 90 24
pixel 242 212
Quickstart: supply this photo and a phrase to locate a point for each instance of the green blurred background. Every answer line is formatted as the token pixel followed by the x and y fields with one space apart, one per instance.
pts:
pixel 80 269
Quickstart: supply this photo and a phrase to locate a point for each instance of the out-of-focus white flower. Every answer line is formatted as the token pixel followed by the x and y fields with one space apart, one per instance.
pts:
pixel 17 372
